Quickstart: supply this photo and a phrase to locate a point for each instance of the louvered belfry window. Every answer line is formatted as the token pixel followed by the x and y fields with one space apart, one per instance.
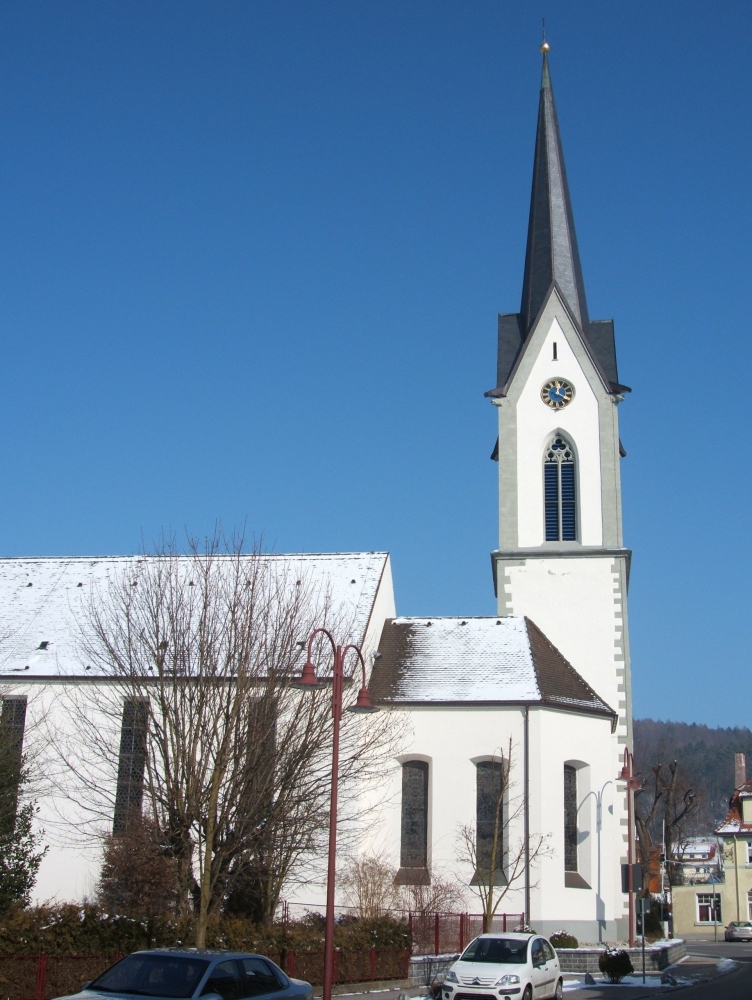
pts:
pixel 414 839
pixel 560 491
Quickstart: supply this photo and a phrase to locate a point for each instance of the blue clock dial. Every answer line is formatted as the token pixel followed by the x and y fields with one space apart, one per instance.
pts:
pixel 557 393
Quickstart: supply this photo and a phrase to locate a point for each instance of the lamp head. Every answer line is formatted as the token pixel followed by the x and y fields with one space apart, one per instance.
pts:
pixel 363 704
pixel 308 678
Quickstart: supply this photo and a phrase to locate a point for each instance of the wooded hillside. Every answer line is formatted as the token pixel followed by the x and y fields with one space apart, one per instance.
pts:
pixel 706 758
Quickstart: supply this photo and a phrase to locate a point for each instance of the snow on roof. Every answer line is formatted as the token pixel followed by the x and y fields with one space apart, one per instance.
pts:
pixel 42 601
pixel 506 659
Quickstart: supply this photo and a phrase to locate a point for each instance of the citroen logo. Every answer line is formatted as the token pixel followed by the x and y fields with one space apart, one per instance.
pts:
pixel 476 981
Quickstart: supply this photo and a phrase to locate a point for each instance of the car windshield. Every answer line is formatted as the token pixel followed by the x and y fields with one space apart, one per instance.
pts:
pixel 153 976
pixel 500 951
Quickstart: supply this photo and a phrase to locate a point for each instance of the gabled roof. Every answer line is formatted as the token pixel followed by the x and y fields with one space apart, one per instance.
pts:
pixel 734 822
pixel 43 602
pixel 552 258
pixel 486 660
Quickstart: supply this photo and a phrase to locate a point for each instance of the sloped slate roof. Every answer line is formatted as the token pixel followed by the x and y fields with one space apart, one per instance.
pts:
pixel 496 660
pixel 42 602
pixel 552 254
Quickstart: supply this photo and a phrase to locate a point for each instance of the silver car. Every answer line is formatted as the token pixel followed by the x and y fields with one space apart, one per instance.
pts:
pixel 739 930
pixel 186 973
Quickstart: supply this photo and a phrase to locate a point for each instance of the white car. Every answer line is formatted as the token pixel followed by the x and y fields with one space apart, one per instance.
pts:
pixel 505 967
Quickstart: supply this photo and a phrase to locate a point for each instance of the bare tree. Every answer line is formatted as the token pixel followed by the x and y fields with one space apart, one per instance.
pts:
pixel 441 893
pixel 203 650
pixel 497 858
pixel 367 884
pixel 668 803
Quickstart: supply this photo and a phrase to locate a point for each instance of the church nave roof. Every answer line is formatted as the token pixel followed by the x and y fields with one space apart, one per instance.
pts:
pixel 481 660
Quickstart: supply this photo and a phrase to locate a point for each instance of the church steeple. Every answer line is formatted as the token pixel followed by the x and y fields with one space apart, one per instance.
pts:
pixel 552 254
pixel 552 260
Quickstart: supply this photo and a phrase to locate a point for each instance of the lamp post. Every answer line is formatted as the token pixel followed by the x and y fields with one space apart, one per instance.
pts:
pixel 309 682
pixel 627 774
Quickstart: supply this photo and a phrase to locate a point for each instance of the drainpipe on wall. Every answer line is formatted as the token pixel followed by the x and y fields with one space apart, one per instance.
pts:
pixel 527 815
pixel 736 878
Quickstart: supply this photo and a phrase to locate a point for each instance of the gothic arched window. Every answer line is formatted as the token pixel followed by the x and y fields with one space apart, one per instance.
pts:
pixel 560 491
pixel 414 839
pixel 489 816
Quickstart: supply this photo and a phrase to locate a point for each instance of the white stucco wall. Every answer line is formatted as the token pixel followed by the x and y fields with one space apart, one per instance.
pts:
pixel 536 423
pixel 451 739
pixel 577 604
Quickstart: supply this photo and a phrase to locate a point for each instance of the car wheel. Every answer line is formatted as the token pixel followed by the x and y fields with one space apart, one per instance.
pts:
pixel 528 994
pixel 559 994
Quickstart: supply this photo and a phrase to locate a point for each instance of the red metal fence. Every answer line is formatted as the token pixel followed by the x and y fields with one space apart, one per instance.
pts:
pixel 448 933
pixel 41 977
pixel 349 966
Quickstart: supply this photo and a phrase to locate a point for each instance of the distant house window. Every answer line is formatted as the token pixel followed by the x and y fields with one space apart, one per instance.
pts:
pixel 414 834
pixel 12 726
pixel 708 908
pixel 570 818
pixel 560 491
pixel 749 852
pixel 131 764
pixel 488 814
pixel 749 904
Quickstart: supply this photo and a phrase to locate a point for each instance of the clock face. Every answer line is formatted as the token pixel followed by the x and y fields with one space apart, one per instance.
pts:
pixel 557 393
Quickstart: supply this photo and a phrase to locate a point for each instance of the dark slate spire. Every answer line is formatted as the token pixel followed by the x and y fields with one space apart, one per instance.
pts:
pixel 552 254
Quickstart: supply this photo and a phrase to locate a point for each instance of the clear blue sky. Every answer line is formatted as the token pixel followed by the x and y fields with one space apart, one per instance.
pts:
pixel 251 257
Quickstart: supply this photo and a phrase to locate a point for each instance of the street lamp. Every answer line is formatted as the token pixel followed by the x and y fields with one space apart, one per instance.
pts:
pixel 627 774
pixel 309 681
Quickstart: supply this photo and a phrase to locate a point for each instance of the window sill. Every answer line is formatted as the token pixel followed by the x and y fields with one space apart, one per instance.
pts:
pixel 573 880
pixel 499 879
pixel 412 876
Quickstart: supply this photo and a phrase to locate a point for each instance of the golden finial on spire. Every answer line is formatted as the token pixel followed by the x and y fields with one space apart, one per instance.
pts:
pixel 545 47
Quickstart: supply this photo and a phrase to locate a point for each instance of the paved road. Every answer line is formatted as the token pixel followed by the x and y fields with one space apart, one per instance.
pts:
pixel 732 986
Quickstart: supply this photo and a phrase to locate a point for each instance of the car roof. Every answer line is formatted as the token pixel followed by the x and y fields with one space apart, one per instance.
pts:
pixel 506 935
pixel 207 953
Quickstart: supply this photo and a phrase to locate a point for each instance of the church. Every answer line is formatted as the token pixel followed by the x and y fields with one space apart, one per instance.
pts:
pixel 538 693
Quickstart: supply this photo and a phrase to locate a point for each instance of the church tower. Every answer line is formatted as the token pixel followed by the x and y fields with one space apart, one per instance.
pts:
pixel 561 559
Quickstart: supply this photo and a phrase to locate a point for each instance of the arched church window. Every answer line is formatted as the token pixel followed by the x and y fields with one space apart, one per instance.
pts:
pixel 570 818
pixel 489 816
pixel 560 491
pixel 414 833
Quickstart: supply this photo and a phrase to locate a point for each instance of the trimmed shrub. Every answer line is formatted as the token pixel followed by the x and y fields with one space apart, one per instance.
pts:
pixel 70 929
pixel 562 939
pixel 615 963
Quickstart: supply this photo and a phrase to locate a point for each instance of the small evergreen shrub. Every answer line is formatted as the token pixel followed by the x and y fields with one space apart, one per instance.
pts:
pixel 615 963
pixel 562 939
